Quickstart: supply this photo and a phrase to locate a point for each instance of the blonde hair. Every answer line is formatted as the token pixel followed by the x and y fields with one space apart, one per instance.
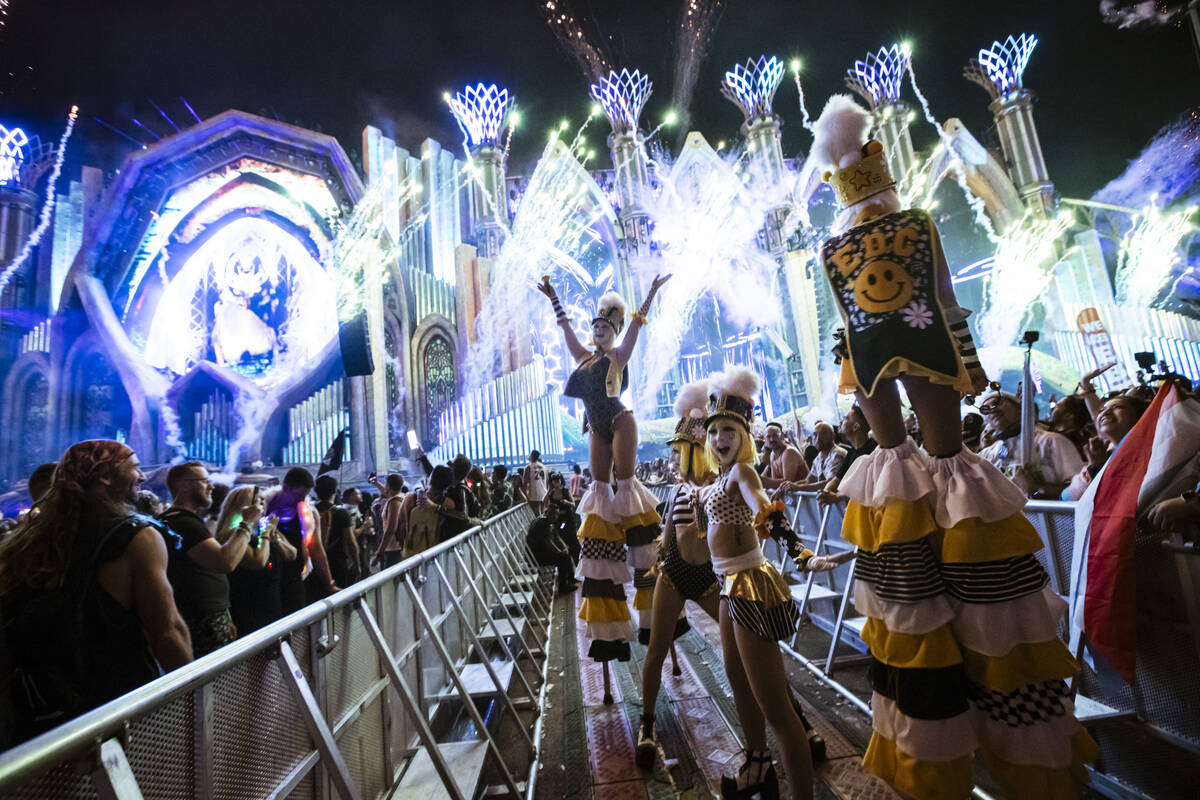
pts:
pixel 235 501
pixel 694 460
pixel 746 453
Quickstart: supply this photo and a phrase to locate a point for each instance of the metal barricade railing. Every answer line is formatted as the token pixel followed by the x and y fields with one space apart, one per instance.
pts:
pixel 345 698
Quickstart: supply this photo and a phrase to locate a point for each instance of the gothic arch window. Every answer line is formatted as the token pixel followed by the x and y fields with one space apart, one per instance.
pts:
pixel 35 415
pixel 104 408
pixel 438 364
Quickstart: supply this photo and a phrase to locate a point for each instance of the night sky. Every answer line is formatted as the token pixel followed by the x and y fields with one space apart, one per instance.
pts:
pixel 337 66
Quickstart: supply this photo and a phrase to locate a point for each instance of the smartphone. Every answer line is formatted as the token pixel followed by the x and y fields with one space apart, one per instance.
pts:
pixel 373 476
pixel 413 444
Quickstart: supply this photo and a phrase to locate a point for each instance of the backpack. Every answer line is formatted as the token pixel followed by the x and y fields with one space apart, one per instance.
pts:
pixel 424 526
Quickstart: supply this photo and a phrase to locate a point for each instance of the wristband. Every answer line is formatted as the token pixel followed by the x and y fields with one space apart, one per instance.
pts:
pixel 639 316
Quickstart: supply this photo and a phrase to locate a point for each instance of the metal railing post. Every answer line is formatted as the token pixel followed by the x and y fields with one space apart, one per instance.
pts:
pixel 491 621
pixel 541 641
pixel 202 716
pixel 113 777
pixel 318 728
pixel 841 617
pixel 424 733
pixel 483 656
pixel 468 702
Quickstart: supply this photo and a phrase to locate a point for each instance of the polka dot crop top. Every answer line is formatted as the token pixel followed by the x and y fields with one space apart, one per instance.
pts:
pixel 723 508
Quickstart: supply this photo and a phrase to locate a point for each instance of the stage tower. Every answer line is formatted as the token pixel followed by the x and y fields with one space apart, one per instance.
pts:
pixel 877 79
pixel 998 69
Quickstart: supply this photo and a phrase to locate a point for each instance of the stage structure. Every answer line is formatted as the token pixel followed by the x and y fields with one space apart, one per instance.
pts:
pixel 185 302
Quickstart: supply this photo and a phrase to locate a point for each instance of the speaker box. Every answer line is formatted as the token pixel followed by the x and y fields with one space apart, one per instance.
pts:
pixel 355 342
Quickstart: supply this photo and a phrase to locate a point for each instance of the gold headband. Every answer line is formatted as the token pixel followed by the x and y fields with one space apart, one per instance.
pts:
pixel 864 178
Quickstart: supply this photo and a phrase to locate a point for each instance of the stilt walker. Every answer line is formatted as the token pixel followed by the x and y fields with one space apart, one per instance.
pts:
pixel 619 527
pixel 962 625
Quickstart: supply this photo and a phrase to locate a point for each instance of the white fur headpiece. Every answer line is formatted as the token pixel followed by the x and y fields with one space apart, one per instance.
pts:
pixel 692 399
pixel 840 132
pixel 611 309
pixel 731 394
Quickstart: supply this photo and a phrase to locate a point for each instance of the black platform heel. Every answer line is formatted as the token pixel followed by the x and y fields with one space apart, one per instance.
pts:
pixel 767 787
pixel 816 742
pixel 646 749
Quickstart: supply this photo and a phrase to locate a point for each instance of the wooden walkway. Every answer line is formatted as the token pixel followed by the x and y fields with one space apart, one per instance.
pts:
pixel 588 746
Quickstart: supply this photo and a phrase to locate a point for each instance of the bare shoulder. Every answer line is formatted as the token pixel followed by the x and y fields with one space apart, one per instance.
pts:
pixel 744 473
pixel 147 548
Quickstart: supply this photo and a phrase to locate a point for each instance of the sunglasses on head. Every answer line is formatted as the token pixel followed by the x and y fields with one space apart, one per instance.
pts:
pixel 993 386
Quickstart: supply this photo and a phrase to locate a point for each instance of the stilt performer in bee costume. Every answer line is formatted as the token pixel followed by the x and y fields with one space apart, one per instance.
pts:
pixel 685 572
pixel 619 526
pixel 962 625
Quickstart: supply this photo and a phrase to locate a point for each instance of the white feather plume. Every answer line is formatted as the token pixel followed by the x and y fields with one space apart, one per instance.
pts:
pixel 840 130
pixel 609 301
pixel 741 381
pixel 691 399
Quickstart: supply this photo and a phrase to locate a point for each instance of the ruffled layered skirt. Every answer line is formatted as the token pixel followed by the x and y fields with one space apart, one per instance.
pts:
pixel 617 533
pixel 962 629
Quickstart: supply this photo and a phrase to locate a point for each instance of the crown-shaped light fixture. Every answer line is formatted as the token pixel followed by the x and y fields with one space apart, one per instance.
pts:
pixel 877 77
pixel 12 153
pixel 751 87
pixel 998 68
pixel 622 96
pixel 479 111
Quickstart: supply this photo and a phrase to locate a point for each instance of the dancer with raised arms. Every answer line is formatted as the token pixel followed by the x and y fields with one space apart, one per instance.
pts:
pixel 618 528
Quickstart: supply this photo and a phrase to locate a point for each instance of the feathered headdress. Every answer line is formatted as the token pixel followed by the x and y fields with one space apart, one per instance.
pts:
pixel 611 309
pixel 689 407
pixel 854 167
pixel 731 394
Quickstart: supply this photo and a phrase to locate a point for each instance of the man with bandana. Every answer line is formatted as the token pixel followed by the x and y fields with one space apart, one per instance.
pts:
pixel 86 606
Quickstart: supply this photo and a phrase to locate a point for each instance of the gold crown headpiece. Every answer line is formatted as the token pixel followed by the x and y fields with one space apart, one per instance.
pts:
pixel 690 430
pixel 864 178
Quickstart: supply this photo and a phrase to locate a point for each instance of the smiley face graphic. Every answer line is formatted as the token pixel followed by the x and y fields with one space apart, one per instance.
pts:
pixel 882 286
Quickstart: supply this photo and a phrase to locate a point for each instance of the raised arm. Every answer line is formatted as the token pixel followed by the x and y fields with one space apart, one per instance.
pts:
pixel 625 350
pixel 574 347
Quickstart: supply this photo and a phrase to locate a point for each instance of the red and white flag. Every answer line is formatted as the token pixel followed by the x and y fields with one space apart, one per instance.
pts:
pixel 1148 465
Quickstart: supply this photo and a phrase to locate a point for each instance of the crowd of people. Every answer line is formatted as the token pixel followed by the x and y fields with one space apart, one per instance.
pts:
pixel 105 583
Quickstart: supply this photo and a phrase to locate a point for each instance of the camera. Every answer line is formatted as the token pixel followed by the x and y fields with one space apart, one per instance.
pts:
pixel 1144 360
pixel 1029 337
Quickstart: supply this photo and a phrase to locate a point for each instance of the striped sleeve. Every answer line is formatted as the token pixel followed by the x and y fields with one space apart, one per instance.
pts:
pixel 966 345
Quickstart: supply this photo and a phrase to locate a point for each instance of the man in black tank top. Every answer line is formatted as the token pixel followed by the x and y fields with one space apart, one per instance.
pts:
pixel 87 610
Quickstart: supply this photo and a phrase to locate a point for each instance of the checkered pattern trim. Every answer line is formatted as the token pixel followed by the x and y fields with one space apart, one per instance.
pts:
pixel 602 550
pixel 1029 705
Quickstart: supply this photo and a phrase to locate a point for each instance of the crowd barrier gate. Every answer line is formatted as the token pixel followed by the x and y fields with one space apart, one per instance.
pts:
pixel 345 698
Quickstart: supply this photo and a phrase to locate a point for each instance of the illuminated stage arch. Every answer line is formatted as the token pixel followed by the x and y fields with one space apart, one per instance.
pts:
pixel 215 251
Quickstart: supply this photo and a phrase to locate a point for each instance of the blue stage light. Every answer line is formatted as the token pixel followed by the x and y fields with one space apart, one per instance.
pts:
pixel 877 78
pixel 479 111
pixel 751 87
pixel 622 97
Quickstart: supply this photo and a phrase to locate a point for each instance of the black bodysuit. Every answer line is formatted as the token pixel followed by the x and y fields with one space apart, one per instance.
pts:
pixel 587 383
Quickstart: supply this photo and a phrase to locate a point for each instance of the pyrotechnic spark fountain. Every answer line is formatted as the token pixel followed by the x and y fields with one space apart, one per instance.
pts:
pixel 1150 252
pixel 47 207
pixel 697 21
pixel 571 38
pixel 805 119
pixel 707 223
pixel 960 177
pixel 1023 268
pixel 552 230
